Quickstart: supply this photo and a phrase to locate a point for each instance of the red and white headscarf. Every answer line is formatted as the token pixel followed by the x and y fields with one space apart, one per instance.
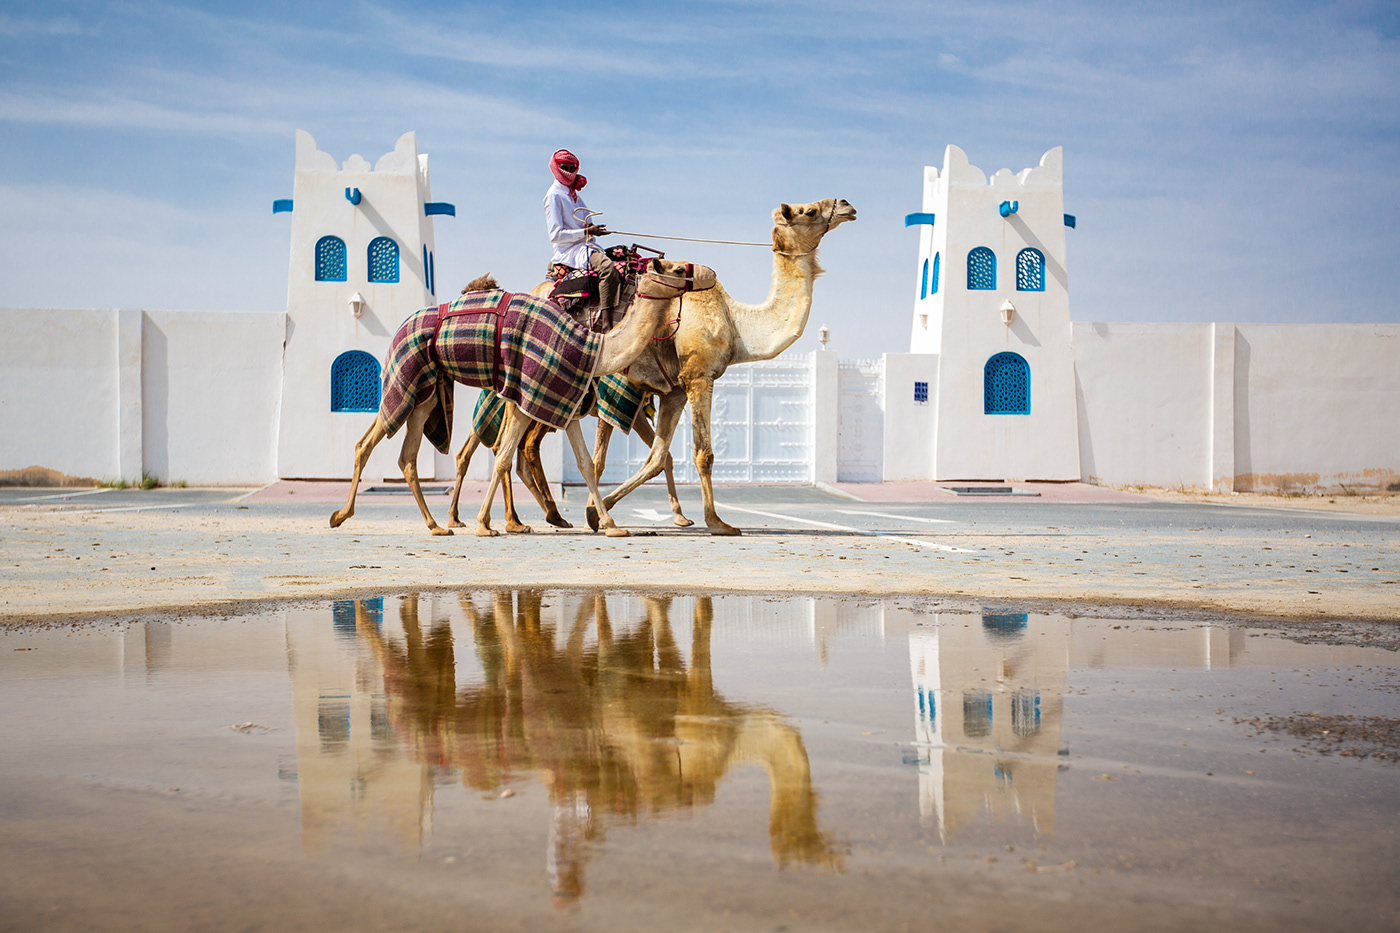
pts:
pixel 571 180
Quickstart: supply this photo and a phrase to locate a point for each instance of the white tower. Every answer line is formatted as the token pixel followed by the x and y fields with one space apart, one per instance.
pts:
pixel 993 304
pixel 361 261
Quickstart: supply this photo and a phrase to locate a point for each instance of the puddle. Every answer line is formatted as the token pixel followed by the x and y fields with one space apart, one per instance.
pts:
pixel 506 760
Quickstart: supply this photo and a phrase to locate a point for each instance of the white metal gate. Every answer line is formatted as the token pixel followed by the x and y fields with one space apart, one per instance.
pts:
pixel 860 422
pixel 760 425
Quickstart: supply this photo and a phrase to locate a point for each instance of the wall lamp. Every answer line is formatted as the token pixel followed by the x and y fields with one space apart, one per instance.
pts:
pixel 357 304
pixel 1008 312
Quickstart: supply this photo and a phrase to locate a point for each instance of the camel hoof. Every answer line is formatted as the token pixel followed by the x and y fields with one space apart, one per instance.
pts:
pixel 484 532
pixel 591 513
pixel 338 519
pixel 456 523
pixel 438 531
pixel 558 521
pixel 519 529
pixel 682 521
pixel 616 532
pixel 724 529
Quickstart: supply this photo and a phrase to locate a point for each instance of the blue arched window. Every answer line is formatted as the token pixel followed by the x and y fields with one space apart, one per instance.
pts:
pixel 1006 385
pixel 383 260
pixel 923 283
pixel 1030 270
pixel 330 259
pixel 981 269
pixel 933 281
pixel 355 382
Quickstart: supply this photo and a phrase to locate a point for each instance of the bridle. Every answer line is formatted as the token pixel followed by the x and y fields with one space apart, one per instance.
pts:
pixel 830 215
pixel 686 283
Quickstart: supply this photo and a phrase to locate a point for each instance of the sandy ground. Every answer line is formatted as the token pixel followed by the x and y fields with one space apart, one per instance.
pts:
pixel 1387 504
pixel 59 561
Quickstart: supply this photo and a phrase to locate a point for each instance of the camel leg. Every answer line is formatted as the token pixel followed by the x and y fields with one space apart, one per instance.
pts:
pixel 648 437
pixel 408 459
pixel 701 393
pixel 531 470
pixel 601 439
pixel 464 460
pixel 668 417
pixel 511 432
pixel 363 449
pixel 585 466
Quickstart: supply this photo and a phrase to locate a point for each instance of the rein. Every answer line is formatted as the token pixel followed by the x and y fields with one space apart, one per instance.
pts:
pixel 687 285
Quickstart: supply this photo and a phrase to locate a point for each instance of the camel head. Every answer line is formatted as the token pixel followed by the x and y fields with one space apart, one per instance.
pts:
pixel 666 278
pixel 798 228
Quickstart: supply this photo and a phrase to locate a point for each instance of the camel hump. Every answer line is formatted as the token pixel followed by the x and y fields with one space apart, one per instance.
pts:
pixel 482 283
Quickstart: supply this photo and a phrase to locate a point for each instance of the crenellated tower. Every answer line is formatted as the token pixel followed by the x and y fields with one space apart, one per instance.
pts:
pixel 993 306
pixel 362 260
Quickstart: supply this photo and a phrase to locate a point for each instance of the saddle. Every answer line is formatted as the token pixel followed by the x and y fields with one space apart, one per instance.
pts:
pixel 576 290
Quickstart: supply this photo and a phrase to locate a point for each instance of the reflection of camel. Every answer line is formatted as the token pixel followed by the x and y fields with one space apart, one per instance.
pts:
pixel 615 730
pixel 716 332
pixel 616 351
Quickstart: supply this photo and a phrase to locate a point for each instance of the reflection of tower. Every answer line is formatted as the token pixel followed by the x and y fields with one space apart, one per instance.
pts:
pixel 349 770
pixel 988 702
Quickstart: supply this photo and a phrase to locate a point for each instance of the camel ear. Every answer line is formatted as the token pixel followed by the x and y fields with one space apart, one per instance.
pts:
pixel 656 266
pixel 786 210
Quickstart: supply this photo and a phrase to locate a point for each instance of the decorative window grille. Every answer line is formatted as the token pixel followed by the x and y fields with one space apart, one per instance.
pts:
pixel 933 280
pixel 1025 712
pixel 1030 270
pixel 1007 385
pixel 355 382
pixel 977 713
pixel 981 270
pixel 921 393
pixel 923 283
pixel 330 259
pixel 383 260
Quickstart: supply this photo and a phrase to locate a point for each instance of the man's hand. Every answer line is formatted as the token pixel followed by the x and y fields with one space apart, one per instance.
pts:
pixel 596 230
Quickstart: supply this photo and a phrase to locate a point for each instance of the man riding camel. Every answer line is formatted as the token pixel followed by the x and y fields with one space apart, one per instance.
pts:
pixel 565 216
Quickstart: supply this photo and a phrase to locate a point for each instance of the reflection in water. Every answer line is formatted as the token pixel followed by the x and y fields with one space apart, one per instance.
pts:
pixel 615 726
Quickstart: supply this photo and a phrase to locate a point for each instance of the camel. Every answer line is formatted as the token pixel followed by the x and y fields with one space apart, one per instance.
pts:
pixel 716 332
pixel 614 729
pixel 429 351
pixel 530 467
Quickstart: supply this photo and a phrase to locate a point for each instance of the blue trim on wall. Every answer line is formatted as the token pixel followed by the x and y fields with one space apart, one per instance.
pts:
pixel 933 284
pixel 432 274
pixel 282 206
pixel 353 195
pixel 915 220
pixel 923 283
pixel 439 207
pixel 1008 208
pixel 1069 221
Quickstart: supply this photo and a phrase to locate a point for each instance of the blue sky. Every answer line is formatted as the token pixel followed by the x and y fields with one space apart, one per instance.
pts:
pixel 1226 161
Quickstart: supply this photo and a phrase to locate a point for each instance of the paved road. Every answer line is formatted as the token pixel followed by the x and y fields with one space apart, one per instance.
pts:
pixel 130 551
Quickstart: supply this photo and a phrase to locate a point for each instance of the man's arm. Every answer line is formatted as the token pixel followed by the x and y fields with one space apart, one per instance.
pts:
pixel 561 234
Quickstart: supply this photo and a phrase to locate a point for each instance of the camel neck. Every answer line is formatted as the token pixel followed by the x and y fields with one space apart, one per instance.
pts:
pixel 768 329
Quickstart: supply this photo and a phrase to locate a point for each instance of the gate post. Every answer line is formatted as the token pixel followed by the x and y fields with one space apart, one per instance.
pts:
pixel 826 409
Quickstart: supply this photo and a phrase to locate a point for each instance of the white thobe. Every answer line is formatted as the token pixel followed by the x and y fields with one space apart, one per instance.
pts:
pixel 565 229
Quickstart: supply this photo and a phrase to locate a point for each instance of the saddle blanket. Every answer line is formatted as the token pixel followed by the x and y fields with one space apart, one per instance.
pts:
pixel 618 401
pixel 525 349
pixel 487 418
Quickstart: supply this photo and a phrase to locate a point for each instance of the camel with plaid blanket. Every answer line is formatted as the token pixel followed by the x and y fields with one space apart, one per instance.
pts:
pixel 526 350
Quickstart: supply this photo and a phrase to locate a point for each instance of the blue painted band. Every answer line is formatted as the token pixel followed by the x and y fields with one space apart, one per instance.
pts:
pixel 282 206
pixel 439 207
pixel 1069 220
pixel 914 220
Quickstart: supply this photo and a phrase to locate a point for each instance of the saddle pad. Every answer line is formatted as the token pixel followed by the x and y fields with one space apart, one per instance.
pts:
pixel 544 362
pixel 618 401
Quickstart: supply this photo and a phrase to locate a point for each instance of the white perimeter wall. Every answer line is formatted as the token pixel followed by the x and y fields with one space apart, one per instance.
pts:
pixel 181 395
pixel 1249 407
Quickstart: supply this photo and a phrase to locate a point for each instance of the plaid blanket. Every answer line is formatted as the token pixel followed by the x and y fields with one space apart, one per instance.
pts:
pixel 487 418
pixel 543 363
pixel 618 401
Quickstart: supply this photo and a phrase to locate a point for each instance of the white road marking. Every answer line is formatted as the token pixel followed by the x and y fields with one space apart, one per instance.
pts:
pixel 908 518
pixel 66 495
pixel 651 515
pixel 129 508
pixel 860 531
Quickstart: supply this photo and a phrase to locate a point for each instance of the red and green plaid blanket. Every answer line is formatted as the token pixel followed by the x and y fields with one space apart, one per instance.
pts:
pixel 544 361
